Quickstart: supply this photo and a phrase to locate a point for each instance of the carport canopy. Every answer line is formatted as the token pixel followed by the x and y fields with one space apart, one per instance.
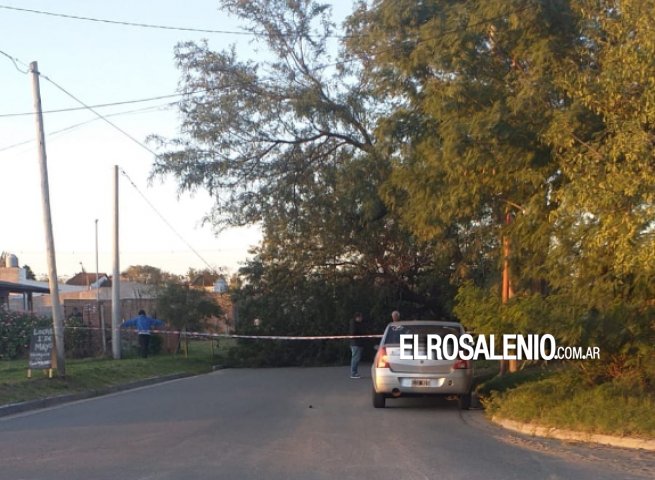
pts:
pixel 27 290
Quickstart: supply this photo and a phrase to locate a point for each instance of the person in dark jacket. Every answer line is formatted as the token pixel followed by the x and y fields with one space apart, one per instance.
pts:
pixel 356 344
pixel 144 325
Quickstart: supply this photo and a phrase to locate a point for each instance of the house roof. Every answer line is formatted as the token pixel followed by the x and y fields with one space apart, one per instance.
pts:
pixel 85 279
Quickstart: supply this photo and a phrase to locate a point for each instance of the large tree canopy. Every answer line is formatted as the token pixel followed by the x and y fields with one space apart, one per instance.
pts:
pixel 443 128
pixel 289 143
pixel 605 144
pixel 473 89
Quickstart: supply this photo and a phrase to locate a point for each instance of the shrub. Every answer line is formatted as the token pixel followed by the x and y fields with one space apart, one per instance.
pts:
pixel 15 332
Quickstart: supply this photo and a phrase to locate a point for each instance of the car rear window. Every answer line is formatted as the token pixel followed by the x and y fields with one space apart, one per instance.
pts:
pixel 394 332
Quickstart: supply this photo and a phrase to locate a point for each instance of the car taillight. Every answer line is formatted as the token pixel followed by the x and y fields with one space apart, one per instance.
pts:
pixel 461 364
pixel 382 358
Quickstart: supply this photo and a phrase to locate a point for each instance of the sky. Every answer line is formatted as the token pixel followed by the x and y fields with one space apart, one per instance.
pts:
pixel 101 63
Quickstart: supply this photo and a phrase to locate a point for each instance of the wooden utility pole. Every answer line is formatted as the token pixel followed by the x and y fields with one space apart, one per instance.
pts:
pixel 116 282
pixel 507 292
pixel 57 312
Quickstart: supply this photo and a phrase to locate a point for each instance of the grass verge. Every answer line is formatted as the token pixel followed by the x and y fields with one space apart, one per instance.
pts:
pixel 96 373
pixel 559 399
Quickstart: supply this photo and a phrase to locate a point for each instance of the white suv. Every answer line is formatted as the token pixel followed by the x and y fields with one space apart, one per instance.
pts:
pixel 395 377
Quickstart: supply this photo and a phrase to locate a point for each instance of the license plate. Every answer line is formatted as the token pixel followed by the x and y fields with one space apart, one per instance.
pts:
pixel 420 382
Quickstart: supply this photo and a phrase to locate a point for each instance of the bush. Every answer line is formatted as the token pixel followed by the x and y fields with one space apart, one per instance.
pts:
pixel 624 333
pixel 287 353
pixel 563 400
pixel 15 332
pixel 508 381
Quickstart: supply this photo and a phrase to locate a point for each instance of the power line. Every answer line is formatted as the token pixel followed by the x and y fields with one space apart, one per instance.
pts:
pixel 123 171
pixel 131 24
pixel 86 122
pixel 165 221
pixel 205 30
pixel 91 109
pixel 15 61
pixel 103 118
pixel 339 63
pixel 147 25
pixel 103 105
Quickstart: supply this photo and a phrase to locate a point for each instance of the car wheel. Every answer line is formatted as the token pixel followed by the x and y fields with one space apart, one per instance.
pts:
pixel 379 400
pixel 464 401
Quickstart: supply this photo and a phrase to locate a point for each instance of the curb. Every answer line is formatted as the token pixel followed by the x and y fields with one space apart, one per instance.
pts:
pixel 571 435
pixel 14 408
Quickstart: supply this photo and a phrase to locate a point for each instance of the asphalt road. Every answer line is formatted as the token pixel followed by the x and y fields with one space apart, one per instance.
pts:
pixel 295 423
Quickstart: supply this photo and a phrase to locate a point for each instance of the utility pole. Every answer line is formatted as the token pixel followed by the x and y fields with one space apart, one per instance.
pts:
pixel 57 313
pixel 101 317
pixel 507 293
pixel 116 282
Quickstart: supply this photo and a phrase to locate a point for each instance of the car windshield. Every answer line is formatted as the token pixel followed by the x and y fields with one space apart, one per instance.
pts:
pixel 394 332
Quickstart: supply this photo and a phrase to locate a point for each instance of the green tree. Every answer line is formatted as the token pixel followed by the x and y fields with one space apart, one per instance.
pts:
pixel 186 308
pixel 289 143
pixel 604 221
pixel 539 109
pixel 603 260
pixel 148 275
pixel 202 278
pixel 447 133
pixel 471 85
pixel 262 133
pixel 29 274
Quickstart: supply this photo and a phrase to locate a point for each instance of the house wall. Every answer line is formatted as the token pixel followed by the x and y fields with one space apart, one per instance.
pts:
pixel 12 274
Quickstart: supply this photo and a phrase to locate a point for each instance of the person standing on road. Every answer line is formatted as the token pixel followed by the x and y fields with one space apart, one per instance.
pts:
pixel 143 324
pixel 395 316
pixel 356 344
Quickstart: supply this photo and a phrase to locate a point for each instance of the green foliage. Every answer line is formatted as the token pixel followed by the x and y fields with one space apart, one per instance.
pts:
pixel 202 278
pixel 184 307
pixel 501 383
pixel 625 335
pixel 452 126
pixel 471 84
pixel 16 331
pixel 93 375
pixel 289 144
pixel 148 275
pixel 562 401
pixel 543 110
pixel 255 354
pixel 29 274
pixel 288 302
pixel 266 137
pixel 606 247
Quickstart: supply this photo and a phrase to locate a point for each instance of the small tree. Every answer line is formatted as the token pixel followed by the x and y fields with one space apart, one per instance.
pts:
pixel 29 274
pixel 186 308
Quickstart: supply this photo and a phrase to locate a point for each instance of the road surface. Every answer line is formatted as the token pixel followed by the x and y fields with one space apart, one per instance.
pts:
pixel 292 423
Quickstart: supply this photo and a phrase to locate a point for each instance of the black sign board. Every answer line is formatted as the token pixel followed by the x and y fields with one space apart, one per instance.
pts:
pixel 41 348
